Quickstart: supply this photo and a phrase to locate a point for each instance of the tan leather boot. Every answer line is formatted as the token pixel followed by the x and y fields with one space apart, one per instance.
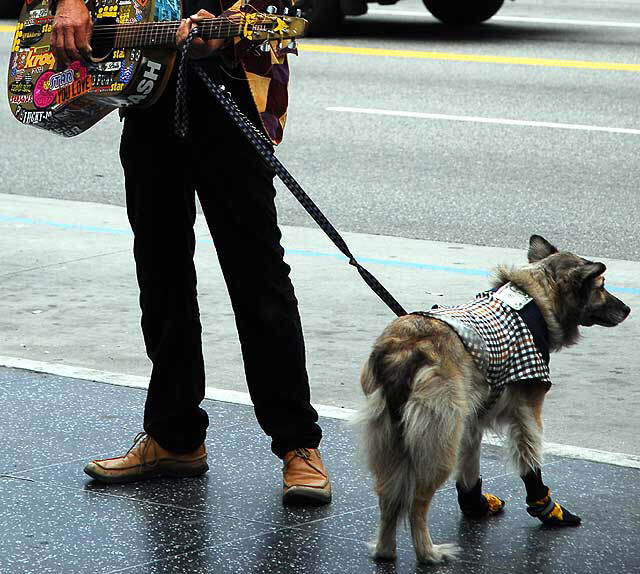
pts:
pixel 147 459
pixel 305 478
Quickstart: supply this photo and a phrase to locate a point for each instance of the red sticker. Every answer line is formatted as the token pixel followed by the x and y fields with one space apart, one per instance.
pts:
pixel 43 97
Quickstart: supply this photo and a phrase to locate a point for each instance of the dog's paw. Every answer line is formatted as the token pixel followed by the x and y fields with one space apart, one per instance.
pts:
pixel 439 553
pixel 474 504
pixel 560 517
pixel 381 552
pixel 495 504
pixel 552 514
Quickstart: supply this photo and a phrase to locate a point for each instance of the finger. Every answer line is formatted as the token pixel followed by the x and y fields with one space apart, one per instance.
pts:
pixel 53 41
pixel 183 32
pixel 85 47
pixel 215 44
pixel 82 43
pixel 70 45
pixel 198 48
pixel 57 45
pixel 201 15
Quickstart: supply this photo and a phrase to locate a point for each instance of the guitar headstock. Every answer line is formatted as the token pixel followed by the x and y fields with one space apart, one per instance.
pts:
pixel 260 27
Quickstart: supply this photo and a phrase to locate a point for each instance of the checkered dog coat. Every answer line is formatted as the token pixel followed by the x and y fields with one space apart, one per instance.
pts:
pixel 506 335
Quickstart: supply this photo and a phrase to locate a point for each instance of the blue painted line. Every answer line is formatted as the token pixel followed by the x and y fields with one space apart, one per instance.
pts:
pixel 72 226
pixel 410 264
pixel 301 252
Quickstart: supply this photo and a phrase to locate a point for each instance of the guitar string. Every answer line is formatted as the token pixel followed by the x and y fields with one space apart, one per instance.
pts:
pixel 206 21
pixel 221 30
pixel 209 24
pixel 131 28
pixel 139 33
pixel 132 32
pixel 160 25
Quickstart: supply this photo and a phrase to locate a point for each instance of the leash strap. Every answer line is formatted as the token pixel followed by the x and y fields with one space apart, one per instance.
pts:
pixel 264 148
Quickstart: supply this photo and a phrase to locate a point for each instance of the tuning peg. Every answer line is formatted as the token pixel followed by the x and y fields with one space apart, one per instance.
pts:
pixel 286 11
pixel 293 45
pixel 265 46
pixel 271 9
pixel 298 13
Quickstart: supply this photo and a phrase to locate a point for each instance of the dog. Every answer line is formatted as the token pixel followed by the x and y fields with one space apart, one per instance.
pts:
pixel 436 380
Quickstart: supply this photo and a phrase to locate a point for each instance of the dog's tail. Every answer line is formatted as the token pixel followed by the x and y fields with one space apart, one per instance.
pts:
pixel 412 424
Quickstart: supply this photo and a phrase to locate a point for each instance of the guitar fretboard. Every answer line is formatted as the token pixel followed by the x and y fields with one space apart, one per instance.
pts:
pixel 146 34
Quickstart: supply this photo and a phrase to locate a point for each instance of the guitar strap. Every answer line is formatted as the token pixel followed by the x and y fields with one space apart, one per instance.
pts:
pixel 264 148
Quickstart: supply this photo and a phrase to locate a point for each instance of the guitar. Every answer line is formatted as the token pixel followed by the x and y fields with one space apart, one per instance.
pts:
pixel 133 52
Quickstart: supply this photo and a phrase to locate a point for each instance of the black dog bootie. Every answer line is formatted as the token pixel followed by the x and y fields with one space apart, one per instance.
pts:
pixel 551 513
pixel 474 504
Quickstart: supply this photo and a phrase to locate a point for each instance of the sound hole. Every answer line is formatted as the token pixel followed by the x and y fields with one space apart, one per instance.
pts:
pixel 103 39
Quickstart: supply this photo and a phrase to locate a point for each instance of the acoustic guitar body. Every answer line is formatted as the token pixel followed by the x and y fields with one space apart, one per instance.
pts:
pixel 69 99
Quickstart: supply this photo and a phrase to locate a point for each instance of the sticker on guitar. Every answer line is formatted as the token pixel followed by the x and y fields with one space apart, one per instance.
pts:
pixel 61 87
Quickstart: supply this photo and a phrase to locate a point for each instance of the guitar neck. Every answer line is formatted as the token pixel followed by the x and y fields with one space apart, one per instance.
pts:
pixel 147 34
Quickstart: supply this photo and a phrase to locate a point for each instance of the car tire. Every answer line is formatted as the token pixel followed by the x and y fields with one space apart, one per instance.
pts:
pixel 324 16
pixel 463 12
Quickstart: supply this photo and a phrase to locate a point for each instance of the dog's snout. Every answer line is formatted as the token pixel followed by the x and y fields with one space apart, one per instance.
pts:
pixel 626 311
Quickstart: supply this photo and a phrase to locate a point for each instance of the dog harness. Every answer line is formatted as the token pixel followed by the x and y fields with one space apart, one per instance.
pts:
pixel 505 333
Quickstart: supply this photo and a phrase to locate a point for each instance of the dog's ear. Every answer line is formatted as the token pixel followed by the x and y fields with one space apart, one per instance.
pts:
pixel 539 248
pixel 591 271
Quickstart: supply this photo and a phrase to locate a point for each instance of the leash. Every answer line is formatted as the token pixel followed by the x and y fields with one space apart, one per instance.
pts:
pixel 264 147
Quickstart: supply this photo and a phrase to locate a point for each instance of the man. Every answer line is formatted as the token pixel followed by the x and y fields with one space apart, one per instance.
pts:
pixel 235 188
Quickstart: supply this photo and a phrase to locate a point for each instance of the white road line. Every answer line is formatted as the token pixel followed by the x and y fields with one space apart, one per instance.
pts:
pixel 482 120
pixel 236 397
pixel 523 19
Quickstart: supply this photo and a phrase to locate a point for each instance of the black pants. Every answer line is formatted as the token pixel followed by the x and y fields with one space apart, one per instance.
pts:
pixel 162 174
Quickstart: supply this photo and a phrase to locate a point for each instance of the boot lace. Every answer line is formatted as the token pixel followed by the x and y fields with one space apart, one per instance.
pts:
pixel 303 453
pixel 141 441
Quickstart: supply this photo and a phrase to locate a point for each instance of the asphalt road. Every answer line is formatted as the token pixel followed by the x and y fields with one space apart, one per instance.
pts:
pixel 479 177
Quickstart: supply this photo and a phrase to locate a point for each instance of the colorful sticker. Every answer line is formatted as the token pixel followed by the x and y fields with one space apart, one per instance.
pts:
pixel 125 73
pixel 20 99
pixel 50 83
pixel 17 38
pixel 22 85
pixel 40 13
pixel 167 10
pixel 32 34
pixel 124 15
pixel 75 90
pixel 43 97
pixel 27 117
pixel 41 56
pixel 107 12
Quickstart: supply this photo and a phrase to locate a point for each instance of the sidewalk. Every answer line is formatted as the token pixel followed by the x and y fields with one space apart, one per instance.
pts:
pixel 68 298
pixel 56 520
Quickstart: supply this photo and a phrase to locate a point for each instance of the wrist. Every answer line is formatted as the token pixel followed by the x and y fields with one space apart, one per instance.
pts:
pixel 56 4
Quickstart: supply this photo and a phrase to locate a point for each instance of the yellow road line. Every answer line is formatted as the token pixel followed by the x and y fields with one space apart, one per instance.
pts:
pixel 416 54
pixel 449 56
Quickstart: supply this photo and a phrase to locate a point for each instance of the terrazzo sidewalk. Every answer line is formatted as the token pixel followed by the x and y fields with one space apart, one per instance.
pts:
pixel 53 518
